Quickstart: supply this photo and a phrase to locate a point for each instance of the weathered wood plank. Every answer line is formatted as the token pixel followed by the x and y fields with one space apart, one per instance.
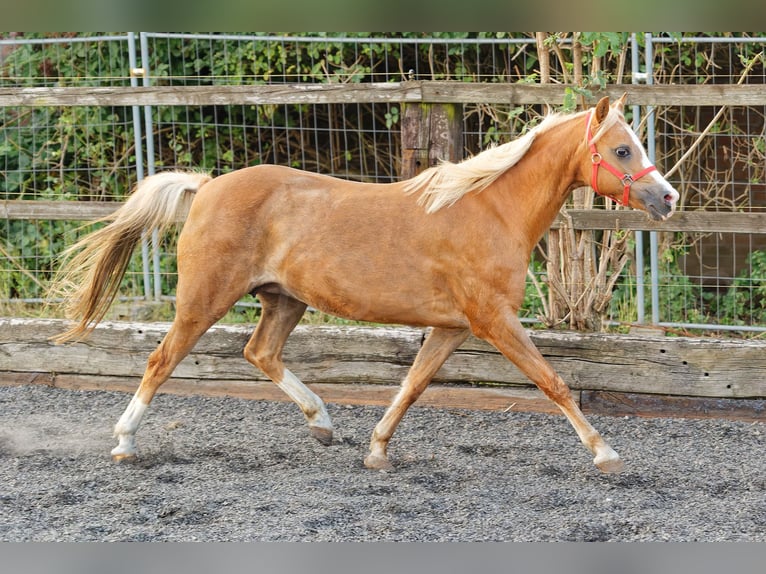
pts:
pixel 316 354
pixel 394 92
pixel 431 133
pixel 162 95
pixel 621 404
pixel 688 221
pixel 627 363
pixel 553 94
pixel 57 210
pixel 627 219
pixel 327 354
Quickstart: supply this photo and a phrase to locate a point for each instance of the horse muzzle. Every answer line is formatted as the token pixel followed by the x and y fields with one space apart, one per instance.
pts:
pixel 659 200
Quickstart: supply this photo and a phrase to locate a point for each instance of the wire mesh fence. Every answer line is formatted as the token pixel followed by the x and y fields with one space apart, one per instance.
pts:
pixel 713 278
pixel 96 153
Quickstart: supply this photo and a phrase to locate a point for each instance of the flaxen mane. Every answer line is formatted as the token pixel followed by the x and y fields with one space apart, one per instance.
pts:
pixel 443 185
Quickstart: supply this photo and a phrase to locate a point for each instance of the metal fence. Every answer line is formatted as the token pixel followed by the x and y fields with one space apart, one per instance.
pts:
pixel 709 281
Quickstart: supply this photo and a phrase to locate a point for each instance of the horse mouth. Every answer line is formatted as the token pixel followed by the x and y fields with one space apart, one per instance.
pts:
pixel 657 214
pixel 661 210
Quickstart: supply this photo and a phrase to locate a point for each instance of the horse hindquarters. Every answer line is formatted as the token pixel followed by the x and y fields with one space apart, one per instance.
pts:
pixel 210 280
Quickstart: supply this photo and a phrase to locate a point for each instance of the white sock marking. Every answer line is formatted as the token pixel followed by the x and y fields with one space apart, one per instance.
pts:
pixel 307 400
pixel 126 427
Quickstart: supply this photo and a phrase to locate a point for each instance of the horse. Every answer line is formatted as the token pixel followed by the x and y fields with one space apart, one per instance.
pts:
pixel 446 250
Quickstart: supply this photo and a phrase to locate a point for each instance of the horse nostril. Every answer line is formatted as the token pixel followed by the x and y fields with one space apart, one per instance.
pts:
pixel 669 199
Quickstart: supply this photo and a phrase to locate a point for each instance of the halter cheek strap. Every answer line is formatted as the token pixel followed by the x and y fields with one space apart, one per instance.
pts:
pixel 598 161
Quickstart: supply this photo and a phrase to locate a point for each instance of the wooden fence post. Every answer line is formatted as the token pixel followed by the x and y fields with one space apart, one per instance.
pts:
pixel 430 133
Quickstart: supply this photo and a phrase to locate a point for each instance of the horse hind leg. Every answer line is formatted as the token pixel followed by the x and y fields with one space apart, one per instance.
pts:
pixel 437 347
pixel 200 302
pixel 280 314
pixel 178 342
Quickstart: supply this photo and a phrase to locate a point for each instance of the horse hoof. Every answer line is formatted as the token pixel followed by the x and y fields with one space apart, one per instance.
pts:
pixel 123 457
pixel 610 465
pixel 323 435
pixel 377 462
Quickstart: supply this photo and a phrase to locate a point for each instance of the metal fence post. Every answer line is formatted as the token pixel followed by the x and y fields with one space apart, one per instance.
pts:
pixel 639 235
pixel 650 149
pixel 150 165
pixel 135 71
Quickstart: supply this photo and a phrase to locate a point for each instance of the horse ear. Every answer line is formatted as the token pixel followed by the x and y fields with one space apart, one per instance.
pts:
pixel 602 109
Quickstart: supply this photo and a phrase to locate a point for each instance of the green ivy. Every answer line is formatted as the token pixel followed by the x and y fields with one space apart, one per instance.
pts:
pixel 744 302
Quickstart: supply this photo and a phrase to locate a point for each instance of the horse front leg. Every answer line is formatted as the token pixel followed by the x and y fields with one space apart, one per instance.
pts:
pixel 511 339
pixel 439 345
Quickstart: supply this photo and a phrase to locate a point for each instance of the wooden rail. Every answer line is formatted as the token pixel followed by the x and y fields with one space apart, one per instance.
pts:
pixel 57 210
pixel 625 219
pixel 688 221
pixel 379 92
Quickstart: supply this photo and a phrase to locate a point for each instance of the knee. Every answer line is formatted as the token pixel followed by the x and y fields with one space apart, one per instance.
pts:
pixel 556 389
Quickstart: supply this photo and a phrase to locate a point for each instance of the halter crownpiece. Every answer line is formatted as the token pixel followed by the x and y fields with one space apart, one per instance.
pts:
pixel 598 161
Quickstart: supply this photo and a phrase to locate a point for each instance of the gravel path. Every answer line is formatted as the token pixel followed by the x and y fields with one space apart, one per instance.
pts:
pixel 225 469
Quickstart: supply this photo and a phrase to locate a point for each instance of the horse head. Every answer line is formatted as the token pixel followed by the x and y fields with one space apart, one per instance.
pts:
pixel 618 167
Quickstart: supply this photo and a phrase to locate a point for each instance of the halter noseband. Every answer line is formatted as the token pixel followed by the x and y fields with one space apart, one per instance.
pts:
pixel 598 161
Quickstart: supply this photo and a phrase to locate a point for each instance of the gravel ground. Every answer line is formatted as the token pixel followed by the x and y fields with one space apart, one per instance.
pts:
pixel 225 469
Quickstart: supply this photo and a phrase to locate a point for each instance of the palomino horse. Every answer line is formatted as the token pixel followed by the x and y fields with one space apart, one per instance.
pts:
pixel 447 249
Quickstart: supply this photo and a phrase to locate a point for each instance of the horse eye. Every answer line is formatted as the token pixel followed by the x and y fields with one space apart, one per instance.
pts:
pixel 622 152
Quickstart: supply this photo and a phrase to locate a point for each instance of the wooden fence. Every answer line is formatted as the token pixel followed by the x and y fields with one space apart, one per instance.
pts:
pixel 615 374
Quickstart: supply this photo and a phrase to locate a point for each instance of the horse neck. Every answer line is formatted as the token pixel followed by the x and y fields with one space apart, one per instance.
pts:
pixel 534 190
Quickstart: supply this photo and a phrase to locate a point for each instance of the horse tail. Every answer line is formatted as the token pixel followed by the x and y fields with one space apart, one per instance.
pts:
pixel 93 268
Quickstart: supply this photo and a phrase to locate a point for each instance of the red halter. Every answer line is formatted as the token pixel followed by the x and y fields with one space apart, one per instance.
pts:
pixel 626 178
